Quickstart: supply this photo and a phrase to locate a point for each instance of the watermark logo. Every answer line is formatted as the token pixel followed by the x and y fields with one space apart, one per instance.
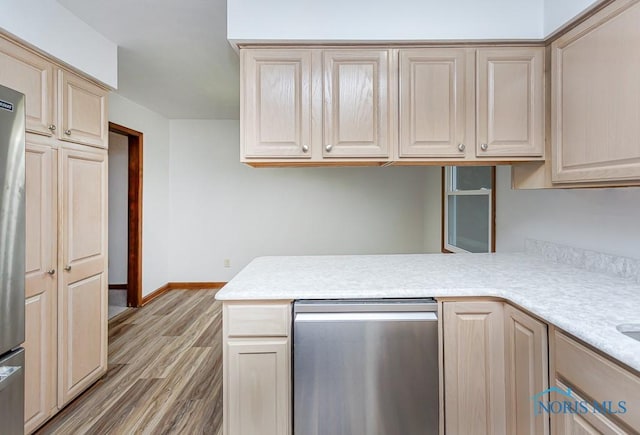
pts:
pixel 570 405
pixel 5 105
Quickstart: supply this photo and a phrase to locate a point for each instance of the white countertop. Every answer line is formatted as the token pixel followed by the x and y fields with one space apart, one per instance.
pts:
pixel 587 305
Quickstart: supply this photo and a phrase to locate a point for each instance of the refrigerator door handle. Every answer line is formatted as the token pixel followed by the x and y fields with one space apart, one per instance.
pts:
pixel 7 374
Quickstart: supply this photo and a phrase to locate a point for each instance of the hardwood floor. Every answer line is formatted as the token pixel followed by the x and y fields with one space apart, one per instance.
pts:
pixel 165 372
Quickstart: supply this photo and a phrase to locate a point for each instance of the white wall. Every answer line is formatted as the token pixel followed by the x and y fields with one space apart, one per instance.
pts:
pixel 118 207
pixel 332 20
pixel 433 209
pixel 336 20
pixel 223 209
pixel 155 188
pixel 605 220
pixel 47 25
pixel 556 12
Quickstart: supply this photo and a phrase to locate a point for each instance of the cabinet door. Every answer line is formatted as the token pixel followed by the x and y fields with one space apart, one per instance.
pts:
pixel 432 102
pixel 595 93
pixel 40 285
pixel 474 374
pixel 40 360
pixel 510 102
pixel 527 371
pixel 276 103
pixel 257 390
pixel 83 111
pixel 32 75
pixel 359 116
pixel 82 302
pixel 588 423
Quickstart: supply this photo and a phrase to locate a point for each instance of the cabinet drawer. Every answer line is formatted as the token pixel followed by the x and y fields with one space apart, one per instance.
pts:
pixel 598 378
pixel 264 320
pixel 587 422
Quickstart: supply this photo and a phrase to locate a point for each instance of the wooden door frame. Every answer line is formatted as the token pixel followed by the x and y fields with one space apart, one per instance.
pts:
pixel 134 255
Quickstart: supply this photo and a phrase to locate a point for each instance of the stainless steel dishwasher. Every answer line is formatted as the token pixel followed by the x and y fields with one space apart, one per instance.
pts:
pixel 365 367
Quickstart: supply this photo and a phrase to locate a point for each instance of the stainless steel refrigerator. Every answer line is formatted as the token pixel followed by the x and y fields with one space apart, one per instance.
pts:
pixel 12 260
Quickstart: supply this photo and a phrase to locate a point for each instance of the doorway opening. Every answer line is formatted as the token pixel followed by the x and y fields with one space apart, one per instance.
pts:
pixel 131 156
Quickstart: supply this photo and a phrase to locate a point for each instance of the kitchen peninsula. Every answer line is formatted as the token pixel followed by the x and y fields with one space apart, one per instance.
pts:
pixel 563 305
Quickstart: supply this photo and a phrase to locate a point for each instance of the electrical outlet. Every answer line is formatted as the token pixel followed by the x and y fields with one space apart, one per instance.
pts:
pixel 227 262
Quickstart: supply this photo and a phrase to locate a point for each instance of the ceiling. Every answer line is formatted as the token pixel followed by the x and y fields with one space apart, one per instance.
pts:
pixel 173 56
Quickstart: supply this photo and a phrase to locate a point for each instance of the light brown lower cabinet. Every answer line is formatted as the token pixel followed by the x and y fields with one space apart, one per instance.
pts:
pixel 497 364
pixel 586 377
pixel 40 283
pixel 495 361
pixel 66 289
pixel 40 360
pixel 257 368
pixel 527 371
pixel 474 373
pixel 82 292
pixel 587 423
pixel 260 379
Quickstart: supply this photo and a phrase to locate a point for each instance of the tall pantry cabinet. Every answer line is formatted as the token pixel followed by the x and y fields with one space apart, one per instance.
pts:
pixel 66 229
pixel 41 282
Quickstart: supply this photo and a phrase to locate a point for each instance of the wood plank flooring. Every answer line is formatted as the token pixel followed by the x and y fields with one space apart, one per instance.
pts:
pixel 164 376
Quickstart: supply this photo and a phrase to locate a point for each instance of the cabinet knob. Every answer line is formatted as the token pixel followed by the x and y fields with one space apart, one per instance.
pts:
pixel 461 147
pixel 51 271
pixel 329 147
pixel 67 132
pixel 67 268
pixel 484 147
pixel 305 148
pixel 52 127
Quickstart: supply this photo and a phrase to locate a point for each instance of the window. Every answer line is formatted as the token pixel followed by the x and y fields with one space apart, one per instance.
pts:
pixel 468 209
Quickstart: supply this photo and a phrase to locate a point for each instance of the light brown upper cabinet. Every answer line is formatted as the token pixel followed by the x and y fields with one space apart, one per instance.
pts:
pixel 358 114
pixel 472 103
pixel 433 118
pixel 363 105
pixel 26 72
pixel 314 105
pixel 276 103
pixel 510 102
pixel 81 105
pixel 82 108
pixel 596 98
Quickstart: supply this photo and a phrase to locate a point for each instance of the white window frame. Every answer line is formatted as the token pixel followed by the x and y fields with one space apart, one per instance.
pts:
pixel 448 190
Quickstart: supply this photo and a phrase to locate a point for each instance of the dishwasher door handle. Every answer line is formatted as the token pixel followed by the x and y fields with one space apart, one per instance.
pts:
pixel 367 317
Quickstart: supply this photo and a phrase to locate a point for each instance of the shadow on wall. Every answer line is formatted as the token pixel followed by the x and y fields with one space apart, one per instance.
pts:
pixel 603 220
pixel 238 212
